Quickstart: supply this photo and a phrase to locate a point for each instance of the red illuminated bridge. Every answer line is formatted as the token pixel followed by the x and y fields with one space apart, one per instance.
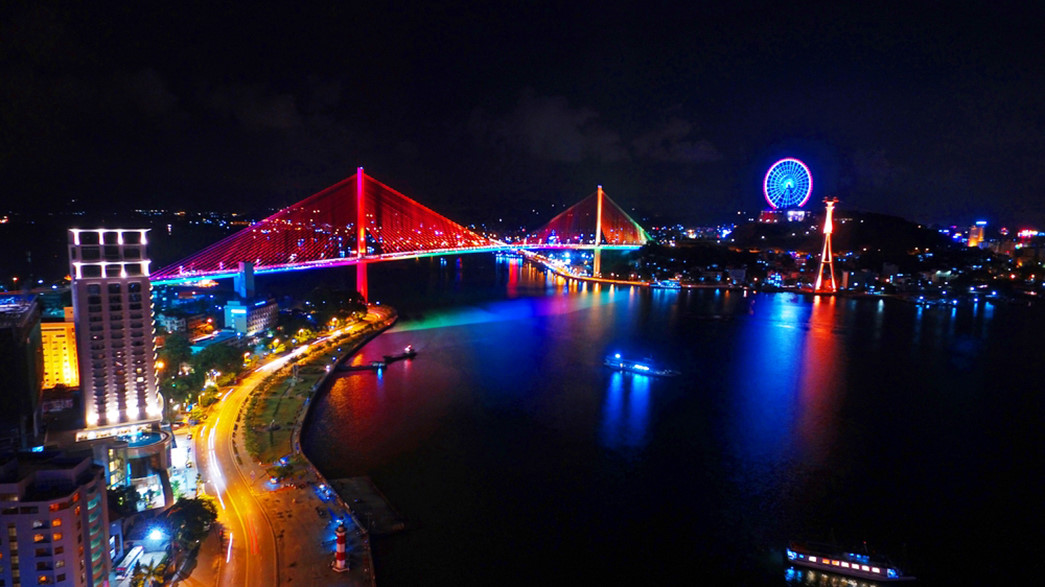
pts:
pixel 361 220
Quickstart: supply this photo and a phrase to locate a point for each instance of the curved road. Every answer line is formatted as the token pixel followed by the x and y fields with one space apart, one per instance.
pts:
pixel 251 554
pixel 250 548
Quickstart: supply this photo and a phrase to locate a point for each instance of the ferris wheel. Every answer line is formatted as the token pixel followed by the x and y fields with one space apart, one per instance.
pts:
pixel 787 184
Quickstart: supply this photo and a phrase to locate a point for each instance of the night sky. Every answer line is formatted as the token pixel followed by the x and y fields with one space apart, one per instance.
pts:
pixel 932 112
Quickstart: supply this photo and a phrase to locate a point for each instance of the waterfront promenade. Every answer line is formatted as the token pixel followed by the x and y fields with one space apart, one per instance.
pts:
pixel 277 532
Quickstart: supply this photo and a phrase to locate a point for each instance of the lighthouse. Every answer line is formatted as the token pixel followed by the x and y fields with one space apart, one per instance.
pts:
pixel 340 563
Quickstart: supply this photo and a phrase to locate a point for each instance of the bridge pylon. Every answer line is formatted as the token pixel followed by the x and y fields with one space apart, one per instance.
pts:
pixel 596 267
pixel 361 282
pixel 596 222
pixel 356 221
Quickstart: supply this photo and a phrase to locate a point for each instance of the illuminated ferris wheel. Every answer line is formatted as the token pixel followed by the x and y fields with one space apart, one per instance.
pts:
pixel 787 184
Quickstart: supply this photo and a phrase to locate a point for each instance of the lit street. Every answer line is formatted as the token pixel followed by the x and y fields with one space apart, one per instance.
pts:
pixel 252 510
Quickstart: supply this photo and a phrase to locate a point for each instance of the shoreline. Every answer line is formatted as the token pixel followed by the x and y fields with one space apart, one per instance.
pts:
pixel 391 316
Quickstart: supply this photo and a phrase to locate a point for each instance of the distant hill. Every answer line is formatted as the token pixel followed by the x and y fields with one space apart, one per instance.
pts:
pixel 853 231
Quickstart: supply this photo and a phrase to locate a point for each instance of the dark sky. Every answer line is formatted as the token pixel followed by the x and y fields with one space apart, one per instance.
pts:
pixel 931 111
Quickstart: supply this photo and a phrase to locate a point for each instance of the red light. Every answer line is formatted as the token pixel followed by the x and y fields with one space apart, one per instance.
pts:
pixel 321 230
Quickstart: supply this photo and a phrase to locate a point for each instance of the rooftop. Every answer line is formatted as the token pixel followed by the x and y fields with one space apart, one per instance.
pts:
pixel 15 309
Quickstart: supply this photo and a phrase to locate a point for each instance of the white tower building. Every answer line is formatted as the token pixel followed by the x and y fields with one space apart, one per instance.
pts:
pixel 112 308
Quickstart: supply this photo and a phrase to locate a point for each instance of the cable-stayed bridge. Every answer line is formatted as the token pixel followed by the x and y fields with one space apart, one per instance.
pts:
pixel 361 220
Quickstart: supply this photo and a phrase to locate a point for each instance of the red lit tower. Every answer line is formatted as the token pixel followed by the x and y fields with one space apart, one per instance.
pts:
pixel 826 255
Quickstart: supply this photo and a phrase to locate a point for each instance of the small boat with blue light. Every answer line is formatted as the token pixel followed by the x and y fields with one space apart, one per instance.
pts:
pixel 838 561
pixel 666 284
pixel 644 367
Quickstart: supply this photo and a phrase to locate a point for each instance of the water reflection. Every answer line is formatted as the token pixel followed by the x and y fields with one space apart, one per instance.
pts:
pixel 821 387
pixel 795 576
pixel 513 278
pixel 767 356
pixel 625 411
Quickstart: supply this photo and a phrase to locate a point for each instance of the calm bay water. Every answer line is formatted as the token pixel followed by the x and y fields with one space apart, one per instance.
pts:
pixel 515 455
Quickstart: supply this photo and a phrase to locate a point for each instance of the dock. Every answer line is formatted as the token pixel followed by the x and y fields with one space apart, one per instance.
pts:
pixel 409 353
pixel 369 505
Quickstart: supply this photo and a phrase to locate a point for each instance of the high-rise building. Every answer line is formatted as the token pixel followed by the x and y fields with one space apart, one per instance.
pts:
pixel 112 307
pixel 54 521
pixel 977 233
pixel 21 369
pixel 249 315
pixel 59 346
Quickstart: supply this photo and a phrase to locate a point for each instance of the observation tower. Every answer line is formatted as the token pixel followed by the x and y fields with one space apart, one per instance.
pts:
pixel 826 255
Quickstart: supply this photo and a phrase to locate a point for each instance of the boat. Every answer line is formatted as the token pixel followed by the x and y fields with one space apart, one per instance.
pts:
pixel 644 367
pixel 408 353
pixel 666 284
pixel 832 559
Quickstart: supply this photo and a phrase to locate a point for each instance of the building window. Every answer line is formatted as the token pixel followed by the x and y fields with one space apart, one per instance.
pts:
pixel 56 522
pixel 56 536
pixel 38 537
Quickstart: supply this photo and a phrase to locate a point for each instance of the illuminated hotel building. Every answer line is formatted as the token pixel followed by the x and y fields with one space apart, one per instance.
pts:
pixel 112 308
pixel 54 521
pixel 59 346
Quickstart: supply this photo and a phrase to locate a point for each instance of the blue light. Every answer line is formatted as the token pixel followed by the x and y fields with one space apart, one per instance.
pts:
pixel 787 183
pixel 790 554
pixel 616 356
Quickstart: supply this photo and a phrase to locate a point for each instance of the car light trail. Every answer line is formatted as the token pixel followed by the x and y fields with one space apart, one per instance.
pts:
pixel 215 469
pixel 254 549
pixel 228 553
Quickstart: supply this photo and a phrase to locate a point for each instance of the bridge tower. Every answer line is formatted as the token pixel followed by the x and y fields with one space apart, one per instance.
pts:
pixel 361 283
pixel 596 269
pixel 826 255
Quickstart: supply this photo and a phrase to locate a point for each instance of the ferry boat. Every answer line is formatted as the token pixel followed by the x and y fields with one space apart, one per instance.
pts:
pixel 643 367
pixel 831 559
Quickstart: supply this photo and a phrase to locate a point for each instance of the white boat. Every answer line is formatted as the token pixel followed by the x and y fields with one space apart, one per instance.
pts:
pixel 832 559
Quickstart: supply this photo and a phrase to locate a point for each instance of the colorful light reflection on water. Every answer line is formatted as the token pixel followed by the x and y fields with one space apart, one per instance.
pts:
pixel 794 415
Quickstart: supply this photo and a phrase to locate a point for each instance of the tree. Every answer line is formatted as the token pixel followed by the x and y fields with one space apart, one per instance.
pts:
pixel 123 500
pixel 176 350
pixel 190 520
pixel 151 574
pixel 219 357
pixel 326 303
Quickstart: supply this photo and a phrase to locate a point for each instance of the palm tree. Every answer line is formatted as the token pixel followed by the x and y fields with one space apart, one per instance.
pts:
pixel 151 574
